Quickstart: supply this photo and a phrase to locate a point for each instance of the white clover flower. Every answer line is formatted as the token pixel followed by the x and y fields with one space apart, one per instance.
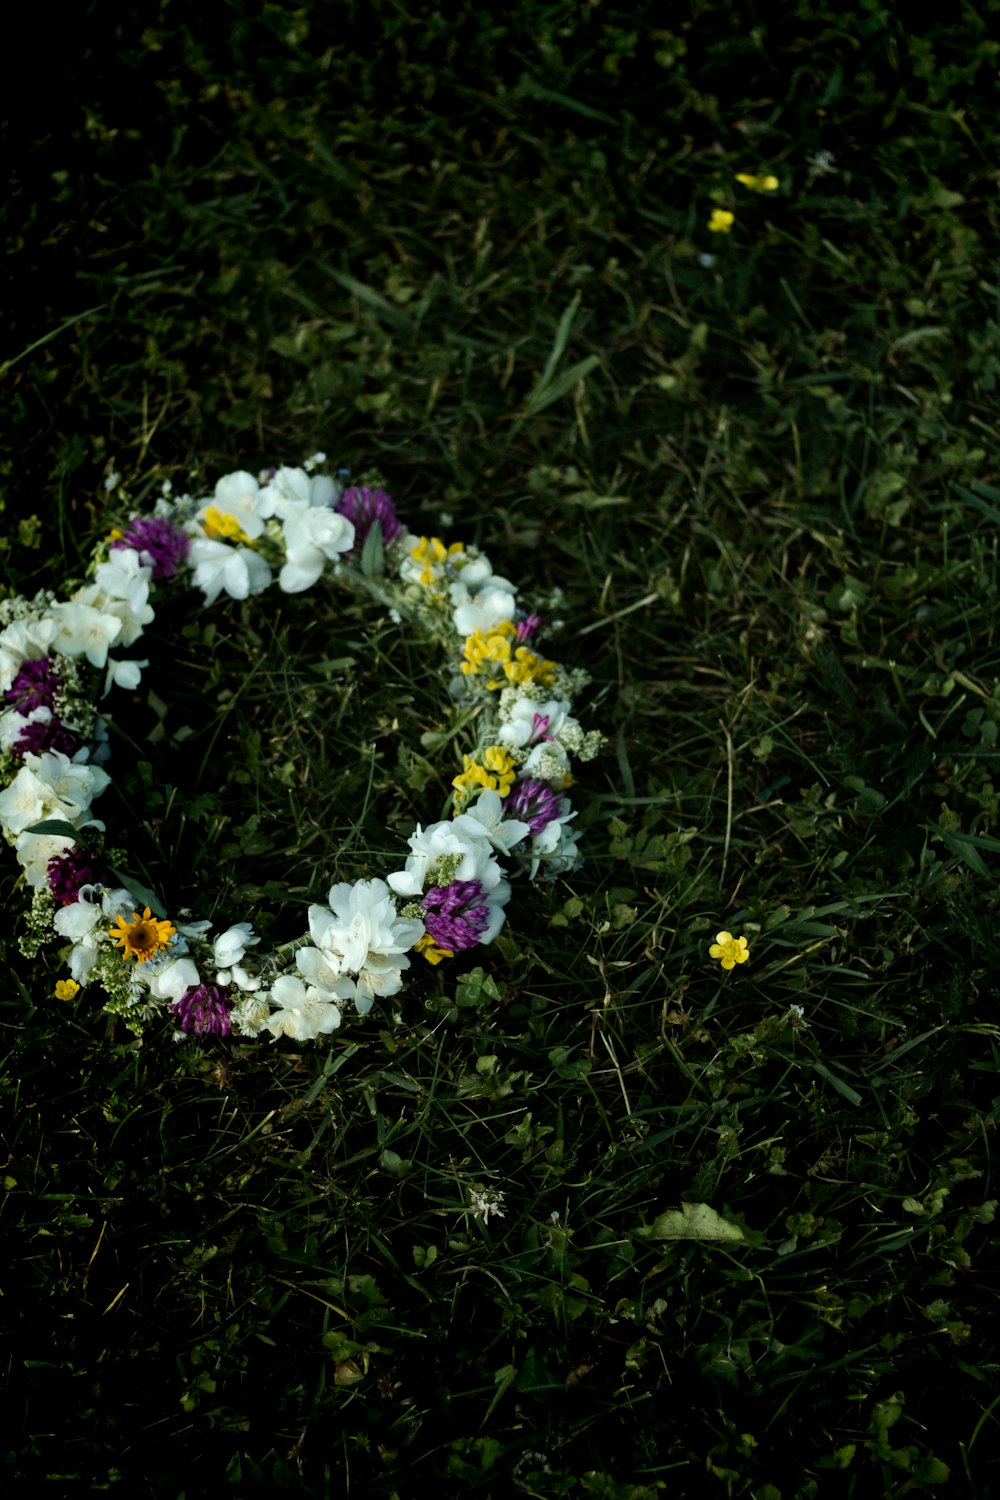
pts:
pixel 485 1201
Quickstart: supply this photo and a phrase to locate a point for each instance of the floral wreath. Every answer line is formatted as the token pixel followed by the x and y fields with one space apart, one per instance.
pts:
pixel 509 803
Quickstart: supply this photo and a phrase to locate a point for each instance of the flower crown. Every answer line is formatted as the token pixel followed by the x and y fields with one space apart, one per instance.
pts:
pixel 510 811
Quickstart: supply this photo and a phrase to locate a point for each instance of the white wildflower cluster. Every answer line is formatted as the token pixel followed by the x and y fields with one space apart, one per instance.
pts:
pixel 291 526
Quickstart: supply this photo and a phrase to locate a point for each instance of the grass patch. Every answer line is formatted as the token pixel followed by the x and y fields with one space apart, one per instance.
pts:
pixel 472 259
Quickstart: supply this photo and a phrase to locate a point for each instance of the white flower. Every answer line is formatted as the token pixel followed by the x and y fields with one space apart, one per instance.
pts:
pixel 556 846
pixel 171 979
pixel 249 1017
pixel 525 721
pixel 230 946
pixel 303 1013
pixel 123 674
pixel 77 919
pixel 82 630
pixel 112 481
pixel 13 724
pixel 236 570
pixel 360 935
pixel 74 784
pixel 121 589
pixel 486 1201
pixel 312 538
pixel 24 640
pixel 503 833
pixel 463 842
pixel 34 850
pixel 479 598
pixel 238 976
pixel 239 497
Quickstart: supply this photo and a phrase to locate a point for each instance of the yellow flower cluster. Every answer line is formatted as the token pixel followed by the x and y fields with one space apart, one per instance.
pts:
pixel 223 527
pixel 496 773
pixel 433 556
pixel 721 221
pixel 487 650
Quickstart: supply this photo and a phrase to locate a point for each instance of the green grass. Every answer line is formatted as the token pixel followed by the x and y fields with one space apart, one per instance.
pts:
pixel 467 259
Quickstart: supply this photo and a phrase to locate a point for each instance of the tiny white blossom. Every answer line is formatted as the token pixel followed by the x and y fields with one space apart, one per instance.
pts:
pixel 112 481
pixel 486 1201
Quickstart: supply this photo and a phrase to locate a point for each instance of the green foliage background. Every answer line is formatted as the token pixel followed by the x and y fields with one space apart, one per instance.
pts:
pixel 466 253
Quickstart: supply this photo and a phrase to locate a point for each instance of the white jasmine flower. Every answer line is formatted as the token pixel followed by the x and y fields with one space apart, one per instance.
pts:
pixel 230 946
pixel 503 833
pixel 303 1013
pixel 34 850
pixel 312 538
pixel 463 844
pixel 361 937
pixel 170 979
pixel 82 630
pixel 218 567
pixel 240 502
pixel 123 674
pixel 24 640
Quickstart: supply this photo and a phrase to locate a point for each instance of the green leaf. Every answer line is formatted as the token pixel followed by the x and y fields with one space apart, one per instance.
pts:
pixel 58 825
pixel 692 1221
pixel 372 552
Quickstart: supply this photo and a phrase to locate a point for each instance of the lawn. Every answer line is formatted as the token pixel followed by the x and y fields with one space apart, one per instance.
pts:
pixel 689 318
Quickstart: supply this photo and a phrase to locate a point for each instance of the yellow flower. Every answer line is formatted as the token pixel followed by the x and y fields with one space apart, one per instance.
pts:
pixel 729 950
pixel 223 527
pixel 758 182
pixel 721 221
pixel 487 650
pixel 433 556
pixel 496 774
pixel 143 936
pixel 67 989
pixel 429 948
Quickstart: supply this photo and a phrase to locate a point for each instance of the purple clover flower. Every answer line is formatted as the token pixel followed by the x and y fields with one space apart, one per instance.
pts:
pixel 456 915
pixel 165 546
pixel 68 872
pixel 46 734
pixel 35 685
pixel 204 1010
pixel 364 507
pixel 533 802
pixel 527 627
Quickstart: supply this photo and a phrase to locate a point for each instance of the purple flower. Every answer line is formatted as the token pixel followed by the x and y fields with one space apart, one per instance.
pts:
pixel 533 802
pixel 68 872
pixel 456 915
pixel 34 686
pixel 527 627
pixel 364 507
pixel 46 734
pixel 204 1010
pixel 165 546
